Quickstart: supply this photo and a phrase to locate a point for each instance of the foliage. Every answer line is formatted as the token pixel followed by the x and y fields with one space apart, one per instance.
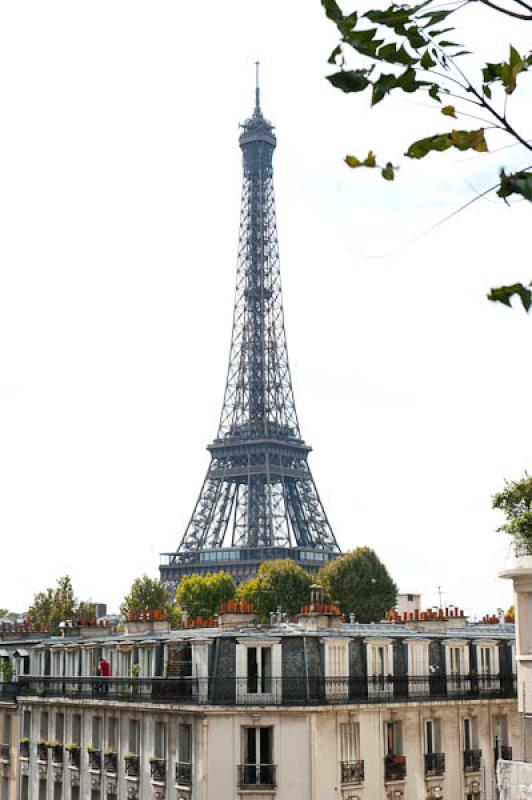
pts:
pixel 408 49
pixel 515 501
pixel 279 584
pixel 360 583
pixel 202 595
pixel 146 594
pixel 53 606
pixel 6 670
pixel 3 612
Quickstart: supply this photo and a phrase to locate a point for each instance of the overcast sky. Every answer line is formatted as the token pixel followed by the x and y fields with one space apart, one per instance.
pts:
pixel 119 201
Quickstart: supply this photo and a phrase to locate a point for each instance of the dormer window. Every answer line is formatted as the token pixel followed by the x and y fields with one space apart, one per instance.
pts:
pixel 258 665
pixel 380 667
pixel 336 667
pixel 457 666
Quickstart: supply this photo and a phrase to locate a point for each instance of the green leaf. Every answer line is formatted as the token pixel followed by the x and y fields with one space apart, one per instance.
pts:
pixel 462 140
pixel 364 42
pixel 355 80
pixel 422 147
pixel 415 38
pixel 332 10
pixel 434 92
pixel 334 55
pixel 504 294
pixel 407 81
pixel 427 61
pixel 369 161
pixel 516 183
pixel 382 86
pixel 388 172
pixel 449 111
pixel 434 17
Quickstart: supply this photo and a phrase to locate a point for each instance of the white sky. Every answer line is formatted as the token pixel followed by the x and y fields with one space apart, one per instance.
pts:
pixel 119 201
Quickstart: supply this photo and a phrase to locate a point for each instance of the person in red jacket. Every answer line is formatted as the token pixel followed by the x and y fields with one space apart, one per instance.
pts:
pixel 104 671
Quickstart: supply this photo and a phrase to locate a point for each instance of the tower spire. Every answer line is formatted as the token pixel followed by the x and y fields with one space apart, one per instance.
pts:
pixel 259 501
pixel 257 89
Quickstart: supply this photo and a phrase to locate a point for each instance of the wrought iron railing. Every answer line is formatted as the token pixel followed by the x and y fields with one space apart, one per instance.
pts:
pixel 288 691
pixel 352 771
pixel 8 691
pixel 158 769
pixel 131 765
pixel 472 760
pixel 434 764
pixel 57 754
pixel 4 752
pixel 394 768
pixel 183 773
pixel 74 757
pixel 110 762
pixel 256 775
pixel 42 751
pixel 503 751
pixel 24 748
pixel 95 760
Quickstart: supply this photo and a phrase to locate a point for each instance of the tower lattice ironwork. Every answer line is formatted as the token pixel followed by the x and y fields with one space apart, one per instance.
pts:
pixel 259 500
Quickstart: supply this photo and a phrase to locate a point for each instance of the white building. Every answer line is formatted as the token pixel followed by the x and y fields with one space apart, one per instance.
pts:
pixel 313 711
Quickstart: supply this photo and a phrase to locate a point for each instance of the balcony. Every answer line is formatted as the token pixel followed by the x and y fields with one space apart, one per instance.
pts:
pixel 183 773
pixel 95 760
pixel 256 776
pixel 394 768
pixel 42 752
pixel 24 748
pixel 472 760
pixel 352 771
pixel 8 691
pixel 292 691
pixel 4 752
pixel 131 765
pixel 74 755
pixel 158 769
pixel 434 765
pixel 110 762
pixel 57 753
pixel 503 751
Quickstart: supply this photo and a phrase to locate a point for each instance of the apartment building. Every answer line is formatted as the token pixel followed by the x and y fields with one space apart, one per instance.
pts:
pixel 315 709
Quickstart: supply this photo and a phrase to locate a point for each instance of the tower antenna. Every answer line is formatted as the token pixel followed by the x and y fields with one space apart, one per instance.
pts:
pixel 257 88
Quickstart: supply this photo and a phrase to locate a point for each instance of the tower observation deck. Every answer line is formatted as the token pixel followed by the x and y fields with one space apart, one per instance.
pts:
pixel 258 501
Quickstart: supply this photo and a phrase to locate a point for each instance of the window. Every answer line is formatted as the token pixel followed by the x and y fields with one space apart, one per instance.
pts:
pixel 457 666
pixel 432 736
pixel 259 670
pixel 380 668
pixel 43 732
pixel 5 788
pixel 59 726
pixel 393 738
pixel 134 736
pixel 184 743
pixel 160 740
pixel 488 666
pixel 76 728
pixel 257 755
pixel 42 790
pixel 471 733
pixel 349 741
pixel 26 725
pixel 500 737
pixel 112 734
pixel 418 667
pixel 7 729
pixel 58 790
pixel 96 732
pixel 24 788
pixel 75 793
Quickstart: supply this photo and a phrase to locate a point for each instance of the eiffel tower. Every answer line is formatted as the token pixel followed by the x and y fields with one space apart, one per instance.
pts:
pixel 259 500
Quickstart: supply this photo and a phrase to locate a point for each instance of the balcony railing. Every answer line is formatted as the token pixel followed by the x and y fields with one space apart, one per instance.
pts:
pixel 434 764
pixel 289 691
pixel 8 691
pixel 24 748
pixel 503 751
pixel 95 760
pixel 110 762
pixel 394 768
pixel 472 760
pixel 183 773
pixel 158 769
pixel 4 752
pixel 74 757
pixel 57 754
pixel 131 764
pixel 42 751
pixel 256 776
pixel 352 771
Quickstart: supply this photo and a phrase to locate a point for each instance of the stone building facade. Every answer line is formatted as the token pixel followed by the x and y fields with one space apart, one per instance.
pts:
pixel 311 710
